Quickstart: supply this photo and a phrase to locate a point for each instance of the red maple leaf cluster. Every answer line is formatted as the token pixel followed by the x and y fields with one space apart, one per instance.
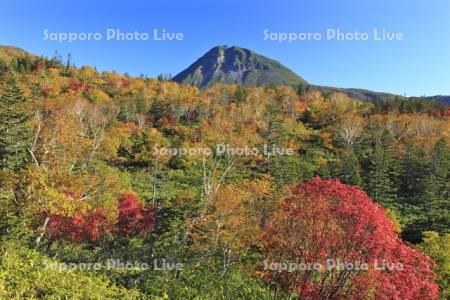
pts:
pixel 442 113
pixel 325 222
pixel 81 227
pixel 134 218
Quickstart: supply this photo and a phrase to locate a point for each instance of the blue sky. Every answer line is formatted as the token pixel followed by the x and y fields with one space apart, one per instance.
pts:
pixel 417 65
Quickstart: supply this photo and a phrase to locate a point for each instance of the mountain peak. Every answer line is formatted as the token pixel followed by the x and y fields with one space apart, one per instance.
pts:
pixel 233 64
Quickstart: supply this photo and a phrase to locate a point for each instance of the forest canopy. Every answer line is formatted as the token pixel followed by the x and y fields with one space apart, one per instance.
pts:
pixel 81 183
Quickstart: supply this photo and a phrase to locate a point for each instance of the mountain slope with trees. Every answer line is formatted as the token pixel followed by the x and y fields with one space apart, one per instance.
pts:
pixel 92 169
pixel 235 65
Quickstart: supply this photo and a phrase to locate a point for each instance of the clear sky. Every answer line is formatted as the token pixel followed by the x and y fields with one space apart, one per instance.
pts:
pixel 419 64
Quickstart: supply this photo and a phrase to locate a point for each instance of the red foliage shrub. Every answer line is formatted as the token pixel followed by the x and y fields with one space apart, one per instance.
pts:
pixel 134 217
pixel 167 122
pixel 333 225
pixel 75 84
pixel 79 228
pixel 37 68
pixel 46 91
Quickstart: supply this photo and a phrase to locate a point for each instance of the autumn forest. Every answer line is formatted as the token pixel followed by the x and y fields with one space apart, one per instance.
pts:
pixel 108 189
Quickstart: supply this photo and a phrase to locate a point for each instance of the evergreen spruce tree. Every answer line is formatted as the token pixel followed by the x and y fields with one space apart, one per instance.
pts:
pixel 124 113
pixel 414 167
pixel 435 200
pixel 437 180
pixel 275 129
pixel 240 95
pixel 301 89
pixel 380 185
pixel 425 190
pixel 15 134
pixel 141 104
pixel 3 67
pixel 413 170
pixel 350 169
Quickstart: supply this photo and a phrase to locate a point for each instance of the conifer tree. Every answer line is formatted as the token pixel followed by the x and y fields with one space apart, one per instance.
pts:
pixel 15 134
pixel 301 89
pixel 275 129
pixel 3 67
pixel 240 95
pixel 437 181
pixel 350 169
pixel 380 186
pixel 435 200
pixel 413 170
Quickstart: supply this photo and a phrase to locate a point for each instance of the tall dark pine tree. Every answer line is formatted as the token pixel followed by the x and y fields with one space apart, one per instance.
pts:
pixel 15 134
pixel 414 167
pixel 350 169
pixel 301 89
pixel 435 199
pixel 380 185
pixel 275 129
pixel 3 67
pixel 413 170
pixel 240 94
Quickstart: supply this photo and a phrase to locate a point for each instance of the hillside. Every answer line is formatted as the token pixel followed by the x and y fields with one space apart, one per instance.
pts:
pixel 212 193
pixel 8 53
pixel 235 65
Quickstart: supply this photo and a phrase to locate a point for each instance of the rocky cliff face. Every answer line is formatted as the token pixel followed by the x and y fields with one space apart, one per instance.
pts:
pixel 224 64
